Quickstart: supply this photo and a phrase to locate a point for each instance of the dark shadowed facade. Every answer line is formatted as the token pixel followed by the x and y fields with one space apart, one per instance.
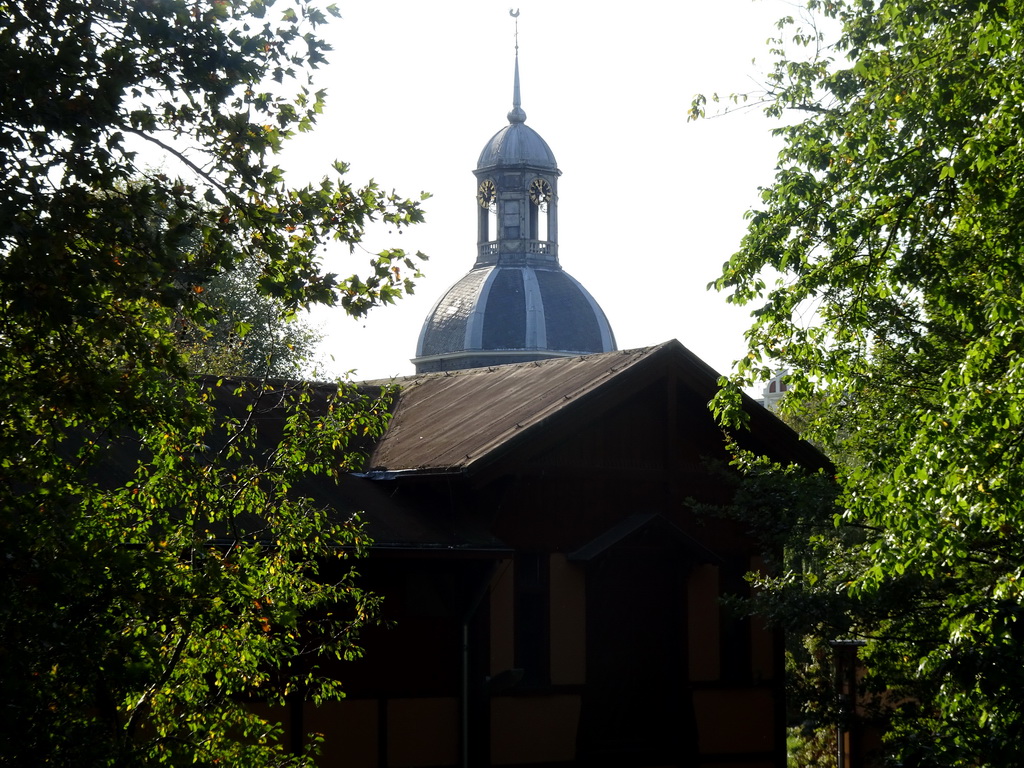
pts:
pixel 555 598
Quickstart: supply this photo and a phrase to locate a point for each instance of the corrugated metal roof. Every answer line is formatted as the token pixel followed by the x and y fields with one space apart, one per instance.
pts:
pixel 458 421
pixel 449 421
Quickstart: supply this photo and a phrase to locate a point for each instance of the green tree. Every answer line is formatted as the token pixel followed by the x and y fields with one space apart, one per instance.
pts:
pixel 885 267
pixel 162 554
pixel 252 334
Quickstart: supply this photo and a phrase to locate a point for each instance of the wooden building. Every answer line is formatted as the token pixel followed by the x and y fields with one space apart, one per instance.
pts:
pixel 554 598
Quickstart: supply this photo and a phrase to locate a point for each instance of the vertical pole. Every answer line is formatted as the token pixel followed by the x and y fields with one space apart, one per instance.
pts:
pixel 465 692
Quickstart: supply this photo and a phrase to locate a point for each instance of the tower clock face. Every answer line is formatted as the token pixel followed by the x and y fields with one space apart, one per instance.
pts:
pixel 487 194
pixel 540 192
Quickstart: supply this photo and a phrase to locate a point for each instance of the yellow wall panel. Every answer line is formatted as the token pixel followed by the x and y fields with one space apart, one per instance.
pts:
pixel 350 731
pixel 736 720
pixel 423 732
pixel 534 729
pixel 703 616
pixel 568 622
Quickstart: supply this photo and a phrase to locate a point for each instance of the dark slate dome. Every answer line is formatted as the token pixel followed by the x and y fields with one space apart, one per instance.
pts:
pixel 517 144
pixel 516 304
pixel 504 314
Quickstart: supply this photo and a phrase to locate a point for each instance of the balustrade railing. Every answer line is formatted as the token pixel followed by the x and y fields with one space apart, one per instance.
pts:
pixel 488 252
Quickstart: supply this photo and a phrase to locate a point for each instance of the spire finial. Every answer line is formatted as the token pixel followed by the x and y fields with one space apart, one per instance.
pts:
pixel 517 115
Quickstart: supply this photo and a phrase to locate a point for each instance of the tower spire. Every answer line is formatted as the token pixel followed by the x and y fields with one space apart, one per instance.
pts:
pixel 517 303
pixel 517 115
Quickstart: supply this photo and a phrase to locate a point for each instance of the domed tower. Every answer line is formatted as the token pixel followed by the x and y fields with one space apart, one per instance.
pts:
pixel 517 304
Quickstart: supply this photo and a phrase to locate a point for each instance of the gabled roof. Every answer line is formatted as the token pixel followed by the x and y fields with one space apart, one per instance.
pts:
pixel 449 421
pixel 460 421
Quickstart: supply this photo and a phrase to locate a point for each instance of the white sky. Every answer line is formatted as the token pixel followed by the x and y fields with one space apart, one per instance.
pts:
pixel 650 206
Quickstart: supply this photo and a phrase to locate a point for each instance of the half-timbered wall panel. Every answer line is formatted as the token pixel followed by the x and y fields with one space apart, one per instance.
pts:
pixel 568 622
pixel 422 732
pixel 735 720
pixel 704 607
pixel 534 729
pixel 352 725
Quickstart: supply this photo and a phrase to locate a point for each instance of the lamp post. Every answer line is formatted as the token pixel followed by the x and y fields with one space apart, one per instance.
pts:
pixel 848 751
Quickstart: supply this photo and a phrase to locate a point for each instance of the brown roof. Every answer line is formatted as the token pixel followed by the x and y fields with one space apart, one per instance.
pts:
pixel 458 421
pixel 451 420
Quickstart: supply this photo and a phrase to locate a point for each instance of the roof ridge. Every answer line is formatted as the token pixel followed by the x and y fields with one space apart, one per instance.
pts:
pixel 484 370
pixel 446 422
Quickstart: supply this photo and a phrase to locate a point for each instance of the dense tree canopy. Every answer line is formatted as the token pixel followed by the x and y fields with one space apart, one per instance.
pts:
pixel 157 550
pixel 251 334
pixel 886 267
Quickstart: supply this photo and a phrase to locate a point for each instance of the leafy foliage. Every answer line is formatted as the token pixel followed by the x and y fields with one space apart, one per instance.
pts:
pixel 885 266
pixel 160 553
pixel 146 609
pixel 813 749
pixel 252 335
